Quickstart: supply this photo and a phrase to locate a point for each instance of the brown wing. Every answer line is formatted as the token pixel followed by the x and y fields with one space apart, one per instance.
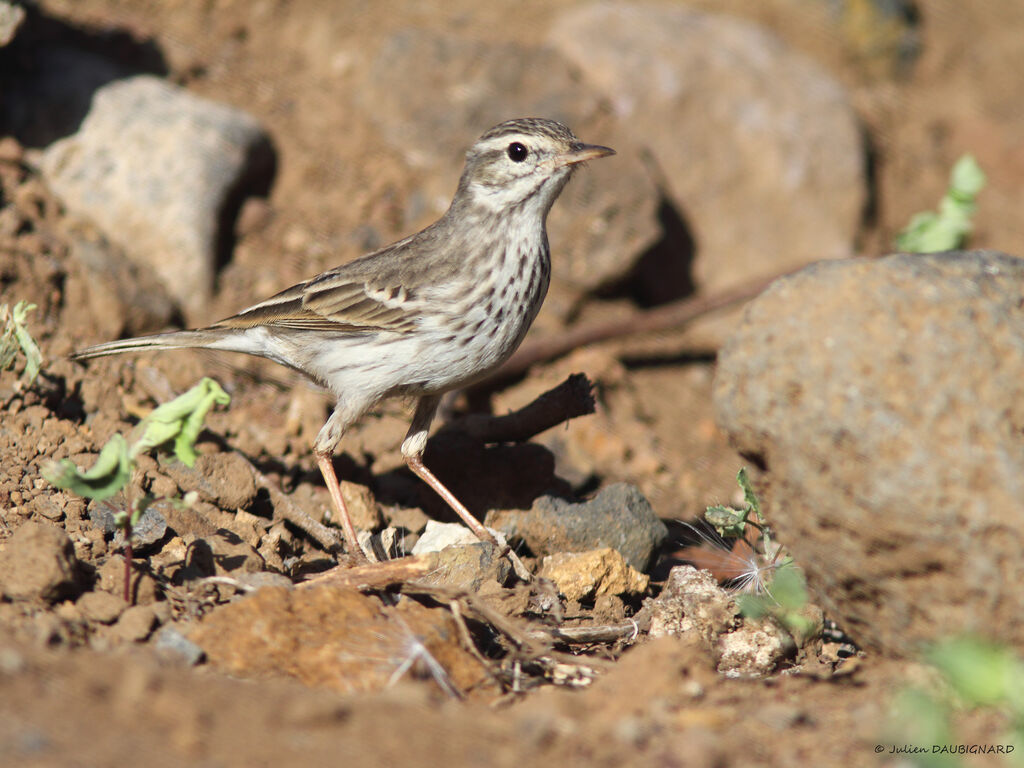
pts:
pixel 333 301
pixel 378 292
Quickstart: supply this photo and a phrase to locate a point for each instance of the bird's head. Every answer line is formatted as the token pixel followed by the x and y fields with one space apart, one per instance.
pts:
pixel 523 165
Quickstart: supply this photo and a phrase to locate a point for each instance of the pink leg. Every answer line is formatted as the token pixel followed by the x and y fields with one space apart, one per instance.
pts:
pixel 331 479
pixel 416 465
pixel 412 449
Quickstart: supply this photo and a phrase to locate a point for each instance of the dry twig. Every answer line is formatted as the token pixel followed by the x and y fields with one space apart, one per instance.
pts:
pixel 605 633
pixel 375 575
pixel 532 643
pixel 573 397
pixel 666 317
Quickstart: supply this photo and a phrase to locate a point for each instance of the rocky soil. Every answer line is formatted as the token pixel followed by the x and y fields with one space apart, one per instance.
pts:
pixel 166 164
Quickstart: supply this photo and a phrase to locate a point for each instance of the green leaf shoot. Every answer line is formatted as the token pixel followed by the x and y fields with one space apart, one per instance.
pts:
pixel 729 521
pixel 973 674
pixel 14 337
pixel 947 228
pixel 753 505
pixel 981 673
pixel 108 475
pixel 181 420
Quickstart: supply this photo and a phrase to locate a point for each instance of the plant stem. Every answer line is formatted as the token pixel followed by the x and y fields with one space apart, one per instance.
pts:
pixel 127 561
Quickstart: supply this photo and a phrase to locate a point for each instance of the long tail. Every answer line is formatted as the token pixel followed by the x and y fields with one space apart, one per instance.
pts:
pixel 206 337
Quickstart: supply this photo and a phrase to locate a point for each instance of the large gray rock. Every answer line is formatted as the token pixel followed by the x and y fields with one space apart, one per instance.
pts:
pixel 885 399
pixel 156 169
pixel 618 517
pixel 607 216
pixel 759 147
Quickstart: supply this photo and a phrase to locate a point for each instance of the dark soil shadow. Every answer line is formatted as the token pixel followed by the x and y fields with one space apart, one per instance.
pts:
pixel 50 71
pixel 482 477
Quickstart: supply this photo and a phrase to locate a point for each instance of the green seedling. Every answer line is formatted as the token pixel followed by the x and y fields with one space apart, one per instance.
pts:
pixel 15 338
pixel 731 522
pixel 947 228
pixel 972 674
pixel 178 422
pixel 981 674
pixel 109 474
pixel 784 600
pixel 181 420
pixel 778 588
pixel 919 721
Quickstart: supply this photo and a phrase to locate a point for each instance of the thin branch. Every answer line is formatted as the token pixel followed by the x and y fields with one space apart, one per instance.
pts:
pixel 468 644
pixel 533 642
pixel 375 575
pixel 605 633
pixel 573 397
pixel 666 317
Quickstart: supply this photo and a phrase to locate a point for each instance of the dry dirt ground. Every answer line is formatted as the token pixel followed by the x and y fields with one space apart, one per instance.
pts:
pixel 72 693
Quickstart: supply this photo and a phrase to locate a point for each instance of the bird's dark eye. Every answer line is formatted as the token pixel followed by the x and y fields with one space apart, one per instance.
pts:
pixel 517 152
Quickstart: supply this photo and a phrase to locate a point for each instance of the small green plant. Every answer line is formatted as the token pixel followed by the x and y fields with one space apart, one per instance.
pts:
pixel 15 338
pixel 972 674
pixel 777 587
pixel 731 522
pixel 784 600
pixel 178 421
pixel 947 228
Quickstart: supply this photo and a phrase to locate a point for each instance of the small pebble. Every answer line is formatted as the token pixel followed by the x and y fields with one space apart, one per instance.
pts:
pixel 174 644
pixel 101 607
pixel 135 623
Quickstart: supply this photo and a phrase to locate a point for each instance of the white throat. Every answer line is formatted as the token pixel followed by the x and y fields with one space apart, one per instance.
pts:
pixel 527 195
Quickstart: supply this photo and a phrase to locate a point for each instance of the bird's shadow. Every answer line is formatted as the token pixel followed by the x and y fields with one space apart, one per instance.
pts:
pixel 483 477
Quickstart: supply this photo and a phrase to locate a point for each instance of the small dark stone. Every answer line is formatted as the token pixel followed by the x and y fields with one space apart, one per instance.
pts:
pixel 150 529
pixel 619 517
pixel 101 514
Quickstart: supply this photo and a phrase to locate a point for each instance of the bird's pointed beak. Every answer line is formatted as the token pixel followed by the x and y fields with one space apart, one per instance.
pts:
pixel 580 153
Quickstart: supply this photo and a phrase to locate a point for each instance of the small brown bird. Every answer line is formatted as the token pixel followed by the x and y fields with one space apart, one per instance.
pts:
pixel 423 316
